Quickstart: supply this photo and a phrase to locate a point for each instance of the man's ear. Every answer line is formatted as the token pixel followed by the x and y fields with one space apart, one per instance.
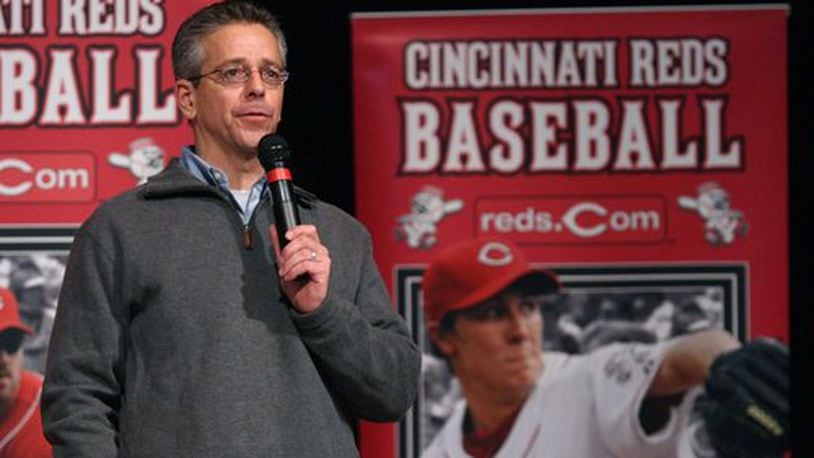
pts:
pixel 444 341
pixel 185 98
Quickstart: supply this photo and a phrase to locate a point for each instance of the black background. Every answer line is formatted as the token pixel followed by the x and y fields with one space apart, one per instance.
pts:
pixel 318 123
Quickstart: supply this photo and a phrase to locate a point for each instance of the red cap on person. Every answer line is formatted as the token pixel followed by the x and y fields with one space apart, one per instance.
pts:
pixel 10 314
pixel 467 273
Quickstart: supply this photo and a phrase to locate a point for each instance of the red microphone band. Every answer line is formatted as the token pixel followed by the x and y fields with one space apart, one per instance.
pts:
pixel 277 174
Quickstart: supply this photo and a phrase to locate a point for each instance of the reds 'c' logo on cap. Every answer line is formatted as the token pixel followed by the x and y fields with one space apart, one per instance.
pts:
pixel 495 254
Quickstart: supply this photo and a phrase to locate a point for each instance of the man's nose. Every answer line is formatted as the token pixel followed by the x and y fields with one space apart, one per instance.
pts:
pixel 255 85
pixel 519 323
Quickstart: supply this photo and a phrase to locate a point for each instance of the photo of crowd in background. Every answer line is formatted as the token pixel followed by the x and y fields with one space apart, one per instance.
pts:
pixel 35 280
pixel 580 320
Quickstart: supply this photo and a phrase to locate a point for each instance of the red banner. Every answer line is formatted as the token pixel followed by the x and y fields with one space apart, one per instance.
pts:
pixel 639 153
pixel 86 107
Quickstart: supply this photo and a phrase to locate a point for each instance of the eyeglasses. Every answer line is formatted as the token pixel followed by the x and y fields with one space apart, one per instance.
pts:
pixel 237 74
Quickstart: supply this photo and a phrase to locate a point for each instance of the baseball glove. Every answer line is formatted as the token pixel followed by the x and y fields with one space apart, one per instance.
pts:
pixel 747 414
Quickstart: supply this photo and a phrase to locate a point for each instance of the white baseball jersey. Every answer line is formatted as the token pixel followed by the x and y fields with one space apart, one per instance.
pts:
pixel 584 406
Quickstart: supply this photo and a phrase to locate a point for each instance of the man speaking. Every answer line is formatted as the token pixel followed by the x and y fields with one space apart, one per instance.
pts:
pixel 183 329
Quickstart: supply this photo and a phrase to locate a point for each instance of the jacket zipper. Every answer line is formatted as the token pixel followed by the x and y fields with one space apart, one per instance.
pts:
pixel 248 228
pixel 248 238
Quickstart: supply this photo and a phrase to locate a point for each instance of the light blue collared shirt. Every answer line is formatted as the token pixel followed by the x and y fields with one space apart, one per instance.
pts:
pixel 215 177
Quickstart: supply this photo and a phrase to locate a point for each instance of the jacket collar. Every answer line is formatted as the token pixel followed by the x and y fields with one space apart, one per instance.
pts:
pixel 175 180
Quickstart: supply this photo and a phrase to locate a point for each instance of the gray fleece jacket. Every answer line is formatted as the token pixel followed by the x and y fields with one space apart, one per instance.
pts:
pixel 172 338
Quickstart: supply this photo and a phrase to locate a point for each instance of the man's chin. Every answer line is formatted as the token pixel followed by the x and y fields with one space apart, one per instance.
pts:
pixel 252 139
pixel 5 383
pixel 525 376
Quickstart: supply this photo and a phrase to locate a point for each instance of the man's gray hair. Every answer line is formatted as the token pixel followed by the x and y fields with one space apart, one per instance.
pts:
pixel 187 52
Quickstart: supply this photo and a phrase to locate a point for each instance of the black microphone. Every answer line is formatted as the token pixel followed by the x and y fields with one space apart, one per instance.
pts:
pixel 273 153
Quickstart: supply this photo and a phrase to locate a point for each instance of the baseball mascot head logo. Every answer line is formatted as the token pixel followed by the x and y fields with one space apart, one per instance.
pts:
pixel 145 159
pixel 721 222
pixel 428 207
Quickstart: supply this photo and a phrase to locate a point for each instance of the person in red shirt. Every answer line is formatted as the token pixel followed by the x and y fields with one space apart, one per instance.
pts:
pixel 20 421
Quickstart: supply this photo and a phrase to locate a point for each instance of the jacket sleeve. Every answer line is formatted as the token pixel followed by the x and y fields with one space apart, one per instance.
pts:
pixel 82 389
pixel 362 348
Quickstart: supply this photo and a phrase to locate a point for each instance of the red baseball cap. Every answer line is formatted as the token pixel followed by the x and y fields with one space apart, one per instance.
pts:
pixel 9 313
pixel 469 272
